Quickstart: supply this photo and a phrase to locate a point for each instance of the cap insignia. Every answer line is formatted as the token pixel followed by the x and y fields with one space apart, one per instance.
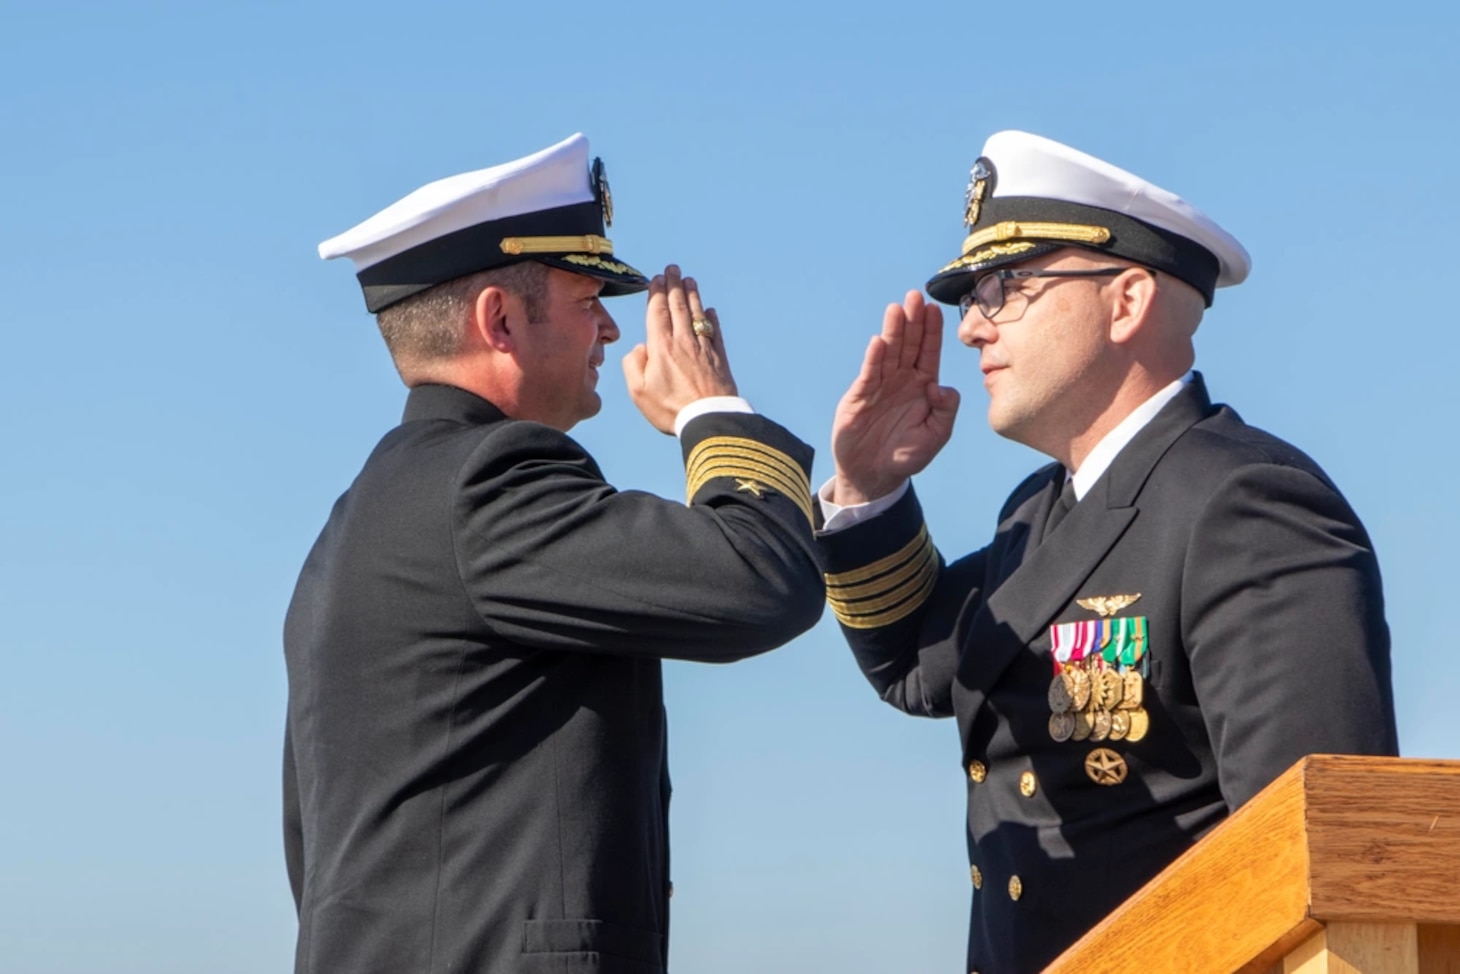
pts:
pixel 980 184
pixel 601 191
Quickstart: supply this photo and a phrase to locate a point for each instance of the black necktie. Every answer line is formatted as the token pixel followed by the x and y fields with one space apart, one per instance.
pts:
pixel 1062 506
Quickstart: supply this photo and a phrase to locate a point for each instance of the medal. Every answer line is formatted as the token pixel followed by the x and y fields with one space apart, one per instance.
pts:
pixel 1111 686
pixel 1062 726
pixel 1140 724
pixel 1133 690
pixel 1080 687
pixel 1059 695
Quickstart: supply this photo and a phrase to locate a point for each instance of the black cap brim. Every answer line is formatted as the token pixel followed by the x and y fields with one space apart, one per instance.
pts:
pixel 955 280
pixel 618 278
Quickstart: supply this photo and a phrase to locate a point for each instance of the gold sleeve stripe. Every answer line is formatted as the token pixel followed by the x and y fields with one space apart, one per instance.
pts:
pixel 744 468
pixel 897 612
pixel 850 593
pixel 799 494
pixel 718 447
pixel 890 596
pixel 881 565
pixel 734 456
pixel 887 590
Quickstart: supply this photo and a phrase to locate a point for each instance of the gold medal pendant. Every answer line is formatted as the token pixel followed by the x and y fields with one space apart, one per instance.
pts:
pixel 1111 686
pixel 1080 686
pixel 1140 725
pixel 1119 725
pixel 1133 690
pixel 1084 726
pixel 1101 722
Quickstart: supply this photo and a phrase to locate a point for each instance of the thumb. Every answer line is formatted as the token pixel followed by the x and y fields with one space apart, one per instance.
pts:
pixel 944 401
pixel 634 364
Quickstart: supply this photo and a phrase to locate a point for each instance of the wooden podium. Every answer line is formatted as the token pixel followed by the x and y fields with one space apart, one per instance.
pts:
pixel 1343 864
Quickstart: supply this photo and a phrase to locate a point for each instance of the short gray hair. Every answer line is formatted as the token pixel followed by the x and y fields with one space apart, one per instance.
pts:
pixel 431 326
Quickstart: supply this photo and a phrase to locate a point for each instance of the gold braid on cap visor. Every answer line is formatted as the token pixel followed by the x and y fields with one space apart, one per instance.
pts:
pixel 590 243
pixel 1014 230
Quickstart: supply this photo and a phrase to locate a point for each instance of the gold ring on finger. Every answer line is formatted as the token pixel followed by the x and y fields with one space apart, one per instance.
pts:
pixel 702 326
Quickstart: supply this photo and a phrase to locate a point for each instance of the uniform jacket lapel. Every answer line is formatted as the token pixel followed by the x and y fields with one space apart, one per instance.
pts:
pixel 1051 570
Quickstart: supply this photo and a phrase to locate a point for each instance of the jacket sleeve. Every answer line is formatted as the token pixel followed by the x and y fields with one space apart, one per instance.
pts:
pixel 898 605
pixel 555 558
pixel 1283 619
pixel 293 823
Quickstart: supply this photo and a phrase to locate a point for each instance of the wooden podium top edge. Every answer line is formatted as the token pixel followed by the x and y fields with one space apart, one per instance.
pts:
pixel 1335 837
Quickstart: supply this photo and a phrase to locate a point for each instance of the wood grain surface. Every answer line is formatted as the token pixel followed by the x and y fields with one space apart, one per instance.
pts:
pixel 1358 948
pixel 1439 949
pixel 1368 847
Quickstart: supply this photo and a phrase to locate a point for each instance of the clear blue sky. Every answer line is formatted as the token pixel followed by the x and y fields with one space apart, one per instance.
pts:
pixel 188 387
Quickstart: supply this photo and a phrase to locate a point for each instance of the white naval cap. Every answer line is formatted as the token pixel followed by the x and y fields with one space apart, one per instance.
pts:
pixel 550 207
pixel 1029 195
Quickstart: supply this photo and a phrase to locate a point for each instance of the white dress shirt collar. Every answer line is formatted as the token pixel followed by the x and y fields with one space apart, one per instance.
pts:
pixel 1113 442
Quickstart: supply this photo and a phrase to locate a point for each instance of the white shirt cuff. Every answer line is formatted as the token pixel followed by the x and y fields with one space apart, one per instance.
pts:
pixel 836 518
pixel 710 404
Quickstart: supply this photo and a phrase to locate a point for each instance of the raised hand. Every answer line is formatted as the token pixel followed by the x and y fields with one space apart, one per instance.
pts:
pixel 895 417
pixel 676 365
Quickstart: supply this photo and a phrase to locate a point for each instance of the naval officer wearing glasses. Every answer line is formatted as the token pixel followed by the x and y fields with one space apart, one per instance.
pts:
pixel 475 773
pixel 1166 617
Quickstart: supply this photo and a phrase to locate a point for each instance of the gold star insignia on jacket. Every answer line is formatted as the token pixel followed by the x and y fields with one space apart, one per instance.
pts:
pixel 749 487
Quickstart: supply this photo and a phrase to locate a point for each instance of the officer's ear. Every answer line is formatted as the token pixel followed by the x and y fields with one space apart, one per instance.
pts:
pixel 492 319
pixel 1132 295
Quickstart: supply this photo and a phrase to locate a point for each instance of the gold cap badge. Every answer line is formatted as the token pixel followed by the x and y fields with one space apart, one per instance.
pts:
pixel 980 185
pixel 601 191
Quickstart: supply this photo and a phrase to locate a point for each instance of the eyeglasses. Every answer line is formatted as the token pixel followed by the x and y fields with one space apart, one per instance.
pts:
pixel 989 292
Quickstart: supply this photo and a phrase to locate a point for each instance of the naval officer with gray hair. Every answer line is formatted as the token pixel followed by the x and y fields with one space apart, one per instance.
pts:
pixel 475 774
pixel 1167 617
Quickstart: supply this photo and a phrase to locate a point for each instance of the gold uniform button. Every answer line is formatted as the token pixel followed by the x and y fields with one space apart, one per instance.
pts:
pixel 1027 784
pixel 977 772
pixel 976 876
pixel 1016 888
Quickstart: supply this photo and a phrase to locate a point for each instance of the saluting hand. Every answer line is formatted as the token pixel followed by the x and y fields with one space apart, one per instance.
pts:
pixel 895 417
pixel 676 365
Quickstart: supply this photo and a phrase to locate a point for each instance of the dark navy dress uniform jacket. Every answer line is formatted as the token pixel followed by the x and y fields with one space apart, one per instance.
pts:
pixel 474 768
pixel 1266 642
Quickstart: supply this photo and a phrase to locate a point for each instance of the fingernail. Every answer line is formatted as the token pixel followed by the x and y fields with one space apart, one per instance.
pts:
pixel 672 269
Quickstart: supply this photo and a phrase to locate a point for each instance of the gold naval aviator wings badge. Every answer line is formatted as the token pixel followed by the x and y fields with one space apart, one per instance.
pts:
pixel 1107 605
